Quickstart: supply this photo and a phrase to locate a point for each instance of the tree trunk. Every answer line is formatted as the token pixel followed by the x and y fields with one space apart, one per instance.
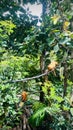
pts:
pixel 72 66
pixel 65 79
pixel 42 68
pixel 72 48
pixel 45 11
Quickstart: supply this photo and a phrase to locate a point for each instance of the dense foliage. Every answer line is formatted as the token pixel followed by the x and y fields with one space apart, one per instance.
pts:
pixel 26 50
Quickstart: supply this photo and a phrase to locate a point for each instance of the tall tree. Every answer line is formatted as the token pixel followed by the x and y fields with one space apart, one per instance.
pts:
pixel 45 11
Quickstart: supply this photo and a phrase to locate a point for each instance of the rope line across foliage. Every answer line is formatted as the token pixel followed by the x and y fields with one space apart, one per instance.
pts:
pixel 30 78
pixel 38 76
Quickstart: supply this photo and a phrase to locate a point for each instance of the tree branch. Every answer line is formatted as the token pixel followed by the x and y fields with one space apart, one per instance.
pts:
pixel 29 78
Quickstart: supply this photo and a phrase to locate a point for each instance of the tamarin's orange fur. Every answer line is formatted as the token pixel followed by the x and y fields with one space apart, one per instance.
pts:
pixel 24 96
pixel 52 65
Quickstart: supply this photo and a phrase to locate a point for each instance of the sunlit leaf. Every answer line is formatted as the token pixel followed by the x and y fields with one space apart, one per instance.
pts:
pixel 71 110
pixel 62 72
pixel 56 48
pixel 21 104
pixel 71 35
pixel 66 25
pixel 55 18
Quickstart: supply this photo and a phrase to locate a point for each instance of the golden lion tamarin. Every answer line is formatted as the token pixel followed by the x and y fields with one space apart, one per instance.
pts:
pixel 24 96
pixel 52 65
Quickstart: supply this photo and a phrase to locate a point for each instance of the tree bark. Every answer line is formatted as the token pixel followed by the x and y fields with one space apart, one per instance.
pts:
pixel 65 79
pixel 42 68
pixel 46 4
pixel 72 48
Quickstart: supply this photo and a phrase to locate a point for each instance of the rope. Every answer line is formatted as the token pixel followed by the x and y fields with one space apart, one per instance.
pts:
pixel 29 78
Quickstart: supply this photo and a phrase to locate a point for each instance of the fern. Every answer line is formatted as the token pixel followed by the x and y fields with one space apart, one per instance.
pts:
pixel 38 116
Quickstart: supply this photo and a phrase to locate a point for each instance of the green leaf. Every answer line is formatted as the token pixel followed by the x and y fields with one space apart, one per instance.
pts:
pixel 71 110
pixel 56 48
pixel 50 41
pixel 71 35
